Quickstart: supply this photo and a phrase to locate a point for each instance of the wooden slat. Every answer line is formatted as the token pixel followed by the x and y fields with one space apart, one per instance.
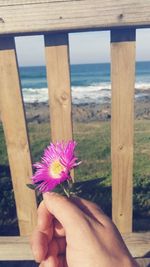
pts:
pixel 143 262
pixel 39 15
pixel 57 62
pixel 15 248
pixel 13 119
pixel 138 243
pixel 122 76
pixel 18 248
pixel 24 2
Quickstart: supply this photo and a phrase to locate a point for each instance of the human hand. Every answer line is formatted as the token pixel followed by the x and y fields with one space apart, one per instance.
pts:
pixel 76 233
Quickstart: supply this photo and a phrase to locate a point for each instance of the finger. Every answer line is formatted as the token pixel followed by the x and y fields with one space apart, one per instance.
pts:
pixel 68 214
pixel 61 243
pixel 62 261
pixel 51 261
pixel 59 230
pixel 57 246
pixel 44 218
pixel 39 245
pixel 91 209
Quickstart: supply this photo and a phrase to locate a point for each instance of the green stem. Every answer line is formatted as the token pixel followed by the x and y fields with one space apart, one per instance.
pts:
pixel 67 193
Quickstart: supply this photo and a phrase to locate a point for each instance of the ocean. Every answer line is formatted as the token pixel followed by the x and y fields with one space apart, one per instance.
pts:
pixel 90 83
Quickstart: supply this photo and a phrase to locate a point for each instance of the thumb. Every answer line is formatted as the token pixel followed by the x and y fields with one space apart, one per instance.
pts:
pixel 67 213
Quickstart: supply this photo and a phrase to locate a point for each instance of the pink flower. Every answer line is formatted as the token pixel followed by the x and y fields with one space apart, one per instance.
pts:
pixel 55 165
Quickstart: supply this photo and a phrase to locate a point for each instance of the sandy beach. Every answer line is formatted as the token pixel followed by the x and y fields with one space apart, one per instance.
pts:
pixel 39 111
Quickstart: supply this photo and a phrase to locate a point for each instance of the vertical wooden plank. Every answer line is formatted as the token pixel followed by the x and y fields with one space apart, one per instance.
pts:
pixel 122 76
pixel 57 62
pixel 13 119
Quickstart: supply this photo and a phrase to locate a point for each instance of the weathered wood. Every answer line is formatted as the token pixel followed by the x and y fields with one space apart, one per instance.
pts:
pixel 18 248
pixel 43 15
pixel 15 248
pixel 143 262
pixel 138 243
pixel 13 119
pixel 122 76
pixel 57 62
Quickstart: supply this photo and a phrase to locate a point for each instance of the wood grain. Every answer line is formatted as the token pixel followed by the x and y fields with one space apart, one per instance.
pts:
pixel 18 248
pixel 143 262
pixel 69 15
pixel 15 248
pixel 138 243
pixel 13 119
pixel 58 76
pixel 122 76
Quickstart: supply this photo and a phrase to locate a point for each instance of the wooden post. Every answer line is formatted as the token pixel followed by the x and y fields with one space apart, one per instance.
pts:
pixel 123 77
pixel 13 119
pixel 57 62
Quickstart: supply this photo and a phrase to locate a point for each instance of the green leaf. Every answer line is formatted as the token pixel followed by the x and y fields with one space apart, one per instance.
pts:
pixel 31 186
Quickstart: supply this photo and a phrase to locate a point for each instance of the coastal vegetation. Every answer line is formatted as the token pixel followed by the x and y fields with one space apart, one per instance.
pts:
pixel 95 152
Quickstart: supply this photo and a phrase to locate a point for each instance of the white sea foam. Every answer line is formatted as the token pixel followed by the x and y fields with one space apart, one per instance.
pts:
pixel 32 95
pixel 98 93
pixel 94 93
pixel 142 86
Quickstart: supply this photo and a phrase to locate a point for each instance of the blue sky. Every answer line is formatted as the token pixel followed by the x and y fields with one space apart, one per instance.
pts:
pixel 88 47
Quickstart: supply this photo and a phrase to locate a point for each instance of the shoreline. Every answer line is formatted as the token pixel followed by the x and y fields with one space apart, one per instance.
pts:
pixel 39 111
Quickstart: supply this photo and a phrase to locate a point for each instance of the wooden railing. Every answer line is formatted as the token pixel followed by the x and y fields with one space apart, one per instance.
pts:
pixel 55 19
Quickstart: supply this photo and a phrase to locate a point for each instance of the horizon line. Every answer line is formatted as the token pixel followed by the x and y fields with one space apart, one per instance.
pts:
pixel 107 62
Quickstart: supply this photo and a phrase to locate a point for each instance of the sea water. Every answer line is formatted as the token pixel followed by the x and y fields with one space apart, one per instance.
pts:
pixel 90 83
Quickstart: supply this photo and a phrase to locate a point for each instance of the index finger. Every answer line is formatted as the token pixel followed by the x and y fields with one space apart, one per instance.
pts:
pixel 44 220
pixel 43 233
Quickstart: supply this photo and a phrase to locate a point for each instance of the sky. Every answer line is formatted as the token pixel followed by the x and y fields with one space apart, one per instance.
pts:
pixel 86 47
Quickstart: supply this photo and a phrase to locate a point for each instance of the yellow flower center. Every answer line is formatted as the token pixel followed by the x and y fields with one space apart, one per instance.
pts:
pixel 56 168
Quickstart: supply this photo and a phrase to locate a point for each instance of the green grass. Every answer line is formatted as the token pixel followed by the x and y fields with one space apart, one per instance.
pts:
pixel 142 149
pixel 94 150
pixel 93 147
